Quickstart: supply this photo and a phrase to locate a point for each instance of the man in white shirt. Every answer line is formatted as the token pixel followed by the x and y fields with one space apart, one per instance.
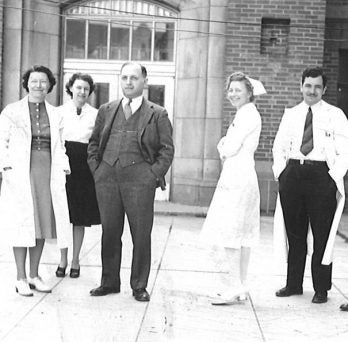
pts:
pixel 310 155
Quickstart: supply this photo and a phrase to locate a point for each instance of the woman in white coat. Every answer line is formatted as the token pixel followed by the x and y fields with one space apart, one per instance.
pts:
pixel 233 218
pixel 33 163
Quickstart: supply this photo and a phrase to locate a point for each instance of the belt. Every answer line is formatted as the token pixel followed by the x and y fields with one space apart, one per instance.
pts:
pixel 307 162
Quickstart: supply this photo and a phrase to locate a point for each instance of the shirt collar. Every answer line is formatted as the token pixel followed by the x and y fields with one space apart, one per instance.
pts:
pixel 71 104
pixel 314 108
pixel 135 104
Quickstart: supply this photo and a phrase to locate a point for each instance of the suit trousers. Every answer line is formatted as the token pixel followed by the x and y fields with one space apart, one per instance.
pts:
pixel 125 190
pixel 308 196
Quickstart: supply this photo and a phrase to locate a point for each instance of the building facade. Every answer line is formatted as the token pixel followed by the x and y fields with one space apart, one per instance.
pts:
pixel 188 47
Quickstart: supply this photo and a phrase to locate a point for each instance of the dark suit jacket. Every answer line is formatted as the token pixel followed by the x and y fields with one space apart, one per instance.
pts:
pixel 154 137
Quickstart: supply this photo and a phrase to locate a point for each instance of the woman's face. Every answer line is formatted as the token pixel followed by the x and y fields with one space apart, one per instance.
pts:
pixel 238 94
pixel 38 85
pixel 80 92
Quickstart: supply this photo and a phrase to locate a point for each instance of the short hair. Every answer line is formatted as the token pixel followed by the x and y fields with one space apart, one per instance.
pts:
pixel 143 69
pixel 38 68
pixel 241 77
pixel 79 76
pixel 314 72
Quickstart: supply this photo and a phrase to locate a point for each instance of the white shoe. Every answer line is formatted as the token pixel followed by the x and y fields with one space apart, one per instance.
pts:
pixel 22 288
pixel 38 285
pixel 231 297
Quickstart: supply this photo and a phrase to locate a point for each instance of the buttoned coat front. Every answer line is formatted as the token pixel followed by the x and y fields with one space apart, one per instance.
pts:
pixel 16 202
pixel 333 141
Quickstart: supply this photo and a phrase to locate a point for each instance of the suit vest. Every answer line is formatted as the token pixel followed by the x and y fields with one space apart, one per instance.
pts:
pixel 123 143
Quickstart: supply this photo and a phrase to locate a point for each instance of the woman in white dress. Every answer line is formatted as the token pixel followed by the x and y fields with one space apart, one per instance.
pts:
pixel 233 218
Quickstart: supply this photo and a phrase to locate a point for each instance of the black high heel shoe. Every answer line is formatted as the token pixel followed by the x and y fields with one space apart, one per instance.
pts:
pixel 74 272
pixel 60 273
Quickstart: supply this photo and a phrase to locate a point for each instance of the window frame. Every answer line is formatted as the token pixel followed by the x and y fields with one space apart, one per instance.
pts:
pixel 121 18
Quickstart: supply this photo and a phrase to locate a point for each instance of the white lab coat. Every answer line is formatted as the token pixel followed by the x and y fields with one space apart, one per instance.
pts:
pixel 16 202
pixel 332 136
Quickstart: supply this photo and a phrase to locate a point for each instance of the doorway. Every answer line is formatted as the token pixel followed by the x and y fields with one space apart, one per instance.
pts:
pixel 160 90
pixel 342 84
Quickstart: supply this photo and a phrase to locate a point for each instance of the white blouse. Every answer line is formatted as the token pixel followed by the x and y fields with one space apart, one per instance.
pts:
pixel 78 128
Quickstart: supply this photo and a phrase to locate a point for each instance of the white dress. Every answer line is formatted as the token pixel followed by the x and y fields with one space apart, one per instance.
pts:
pixel 233 218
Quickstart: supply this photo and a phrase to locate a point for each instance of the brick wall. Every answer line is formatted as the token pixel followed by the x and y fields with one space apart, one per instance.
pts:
pixel 280 73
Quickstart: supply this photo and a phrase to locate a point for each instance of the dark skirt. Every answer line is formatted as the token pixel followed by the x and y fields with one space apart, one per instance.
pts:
pixel 82 201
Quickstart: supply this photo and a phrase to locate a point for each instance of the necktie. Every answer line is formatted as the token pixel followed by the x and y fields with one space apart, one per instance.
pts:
pixel 127 109
pixel 307 140
pixel 78 111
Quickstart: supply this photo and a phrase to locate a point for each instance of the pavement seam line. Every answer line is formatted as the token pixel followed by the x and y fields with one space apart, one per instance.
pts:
pixel 257 319
pixel 23 317
pixel 339 291
pixel 154 282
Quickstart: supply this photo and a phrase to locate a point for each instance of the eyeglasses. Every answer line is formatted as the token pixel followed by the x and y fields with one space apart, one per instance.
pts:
pixel 42 82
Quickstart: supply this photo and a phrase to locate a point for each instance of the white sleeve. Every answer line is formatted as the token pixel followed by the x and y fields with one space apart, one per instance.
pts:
pixel 281 146
pixel 340 167
pixel 6 126
pixel 241 128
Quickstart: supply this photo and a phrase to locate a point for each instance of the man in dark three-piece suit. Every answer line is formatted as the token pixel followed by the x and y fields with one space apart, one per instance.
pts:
pixel 129 153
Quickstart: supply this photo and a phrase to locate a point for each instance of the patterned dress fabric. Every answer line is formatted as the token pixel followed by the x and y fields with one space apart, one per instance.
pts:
pixel 40 172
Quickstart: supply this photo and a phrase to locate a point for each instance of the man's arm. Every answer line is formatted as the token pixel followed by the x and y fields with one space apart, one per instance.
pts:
pixel 165 153
pixel 93 146
pixel 340 166
pixel 281 147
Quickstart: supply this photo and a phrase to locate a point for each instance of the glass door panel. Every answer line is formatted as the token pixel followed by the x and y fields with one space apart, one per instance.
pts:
pixel 100 95
pixel 106 89
pixel 160 90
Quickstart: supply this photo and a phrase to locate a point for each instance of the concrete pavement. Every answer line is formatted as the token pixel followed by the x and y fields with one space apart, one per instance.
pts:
pixel 182 280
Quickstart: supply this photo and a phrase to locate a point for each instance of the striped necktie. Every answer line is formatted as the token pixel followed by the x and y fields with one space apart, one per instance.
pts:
pixel 307 139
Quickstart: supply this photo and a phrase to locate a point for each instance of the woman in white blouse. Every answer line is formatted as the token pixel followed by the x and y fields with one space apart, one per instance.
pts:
pixel 233 218
pixel 79 118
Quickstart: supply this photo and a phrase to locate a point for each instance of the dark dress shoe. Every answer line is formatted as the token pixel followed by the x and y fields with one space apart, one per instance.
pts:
pixel 104 290
pixel 344 307
pixel 60 273
pixel 74 272
pixel 287 292
pixel 141 295
pixel 320 297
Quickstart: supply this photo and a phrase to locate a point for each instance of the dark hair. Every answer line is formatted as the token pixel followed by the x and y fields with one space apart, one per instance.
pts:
pixel 143 69
pixel 314 72
pixel 241 77
pixel 79 76
pixel 39 68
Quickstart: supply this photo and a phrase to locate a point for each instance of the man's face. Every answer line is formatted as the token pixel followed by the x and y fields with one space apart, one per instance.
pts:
pixel 132 81
pixel 312 90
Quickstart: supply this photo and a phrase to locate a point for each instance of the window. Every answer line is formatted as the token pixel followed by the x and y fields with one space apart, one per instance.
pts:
pixel 75 42
pixel 120 30
pixel 97 40
pixel 119 41
pixel 141 47
pixel 164 42
pixel 274 36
